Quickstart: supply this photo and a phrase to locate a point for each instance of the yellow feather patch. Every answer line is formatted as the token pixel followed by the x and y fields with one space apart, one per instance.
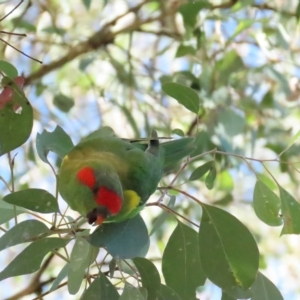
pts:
pixel 131 200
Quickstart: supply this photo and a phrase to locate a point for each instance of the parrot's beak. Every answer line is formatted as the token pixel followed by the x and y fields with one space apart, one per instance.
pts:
pixel 100 219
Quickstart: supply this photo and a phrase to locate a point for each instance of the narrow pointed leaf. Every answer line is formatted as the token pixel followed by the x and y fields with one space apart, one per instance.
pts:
pixel 264 289
pixel 266 204
pixel 16 118
pixel 34 199
pixel 23 232
pixel 83 254
pixel 59 278
pixel 130 293
pixel 290 210
pixel 181 265
pixel 8 211
pixel 126 239
pixel 292 141
pixel 201 171
pixel 57 141
pixel 211 177
pixel 30 259
pixel 166 293
pixel 228 251
pixel 149 276
pixel 101 288
pixel 183 94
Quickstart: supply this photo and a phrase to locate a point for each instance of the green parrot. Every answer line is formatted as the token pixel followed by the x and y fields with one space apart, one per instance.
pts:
pixel 109 179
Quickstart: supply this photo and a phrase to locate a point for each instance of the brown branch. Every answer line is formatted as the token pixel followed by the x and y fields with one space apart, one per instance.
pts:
pixel 99 39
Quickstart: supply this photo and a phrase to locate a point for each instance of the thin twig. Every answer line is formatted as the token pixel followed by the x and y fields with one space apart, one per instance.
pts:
pixel 11 11
pixel 10 45
pixel 12 33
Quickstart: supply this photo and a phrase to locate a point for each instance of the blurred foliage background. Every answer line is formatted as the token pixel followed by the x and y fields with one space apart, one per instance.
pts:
pixel 104 63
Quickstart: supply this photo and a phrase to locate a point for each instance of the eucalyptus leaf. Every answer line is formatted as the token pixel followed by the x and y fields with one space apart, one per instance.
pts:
pixel 126 239
pixel 266 204
pixel 34 199
pixel 211 177
pixel 130 293
pixel 181 264
pixel 8 211
pixel 30 259
pixel 264 289
pixel 149 276
pixel 166 293
pixel 228 251
pixel 201 171
pixel 290 210
pixel 101 288
pixel 184 95
pixel 83 254
pixel 25 231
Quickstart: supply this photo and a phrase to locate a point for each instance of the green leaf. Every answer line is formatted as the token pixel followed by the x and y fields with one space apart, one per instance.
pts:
pixel 228 251
pixel 125 239
pixel 63 102
pixel 30 259
pixel 87 4
pixel 177 131
pixel 104 131
pixel 85 62
pixel 298 11
pixel 83 254
pixel 166 293
pixel 20 23
pixel 54 30
pixel 201 171
pixel 163 216
pixel 266 204
pixel 211 177
pixel 241 4
pixel 16 119
pixel 23 232
pixel 290 210
pixel 59 278
pixel 190 11
pixel 34 199
pixel 101 288
pixel 8 69
pixel 264 289
pixel 181 265
pixel 149 276
pixel 291 143
pixel 8 211
pixel 183 94
pixel 57 141
pixel 183 50
pixel 130 293
pixel 233 123
pixel 243 24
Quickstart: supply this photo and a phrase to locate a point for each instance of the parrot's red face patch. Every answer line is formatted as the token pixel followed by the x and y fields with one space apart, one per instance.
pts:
pixel 109 199
pixel 87 177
